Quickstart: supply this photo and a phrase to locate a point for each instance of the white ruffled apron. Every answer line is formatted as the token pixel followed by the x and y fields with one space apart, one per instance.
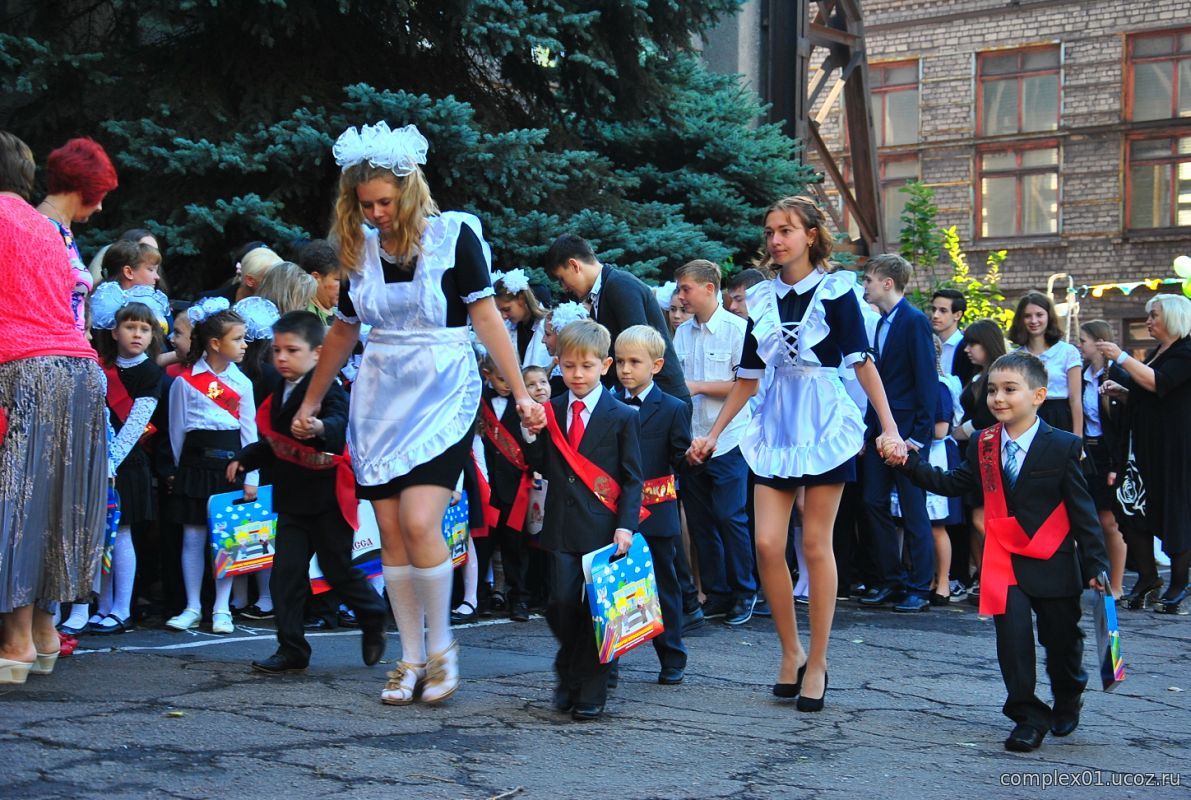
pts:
pixel 806 423
pixel 418 389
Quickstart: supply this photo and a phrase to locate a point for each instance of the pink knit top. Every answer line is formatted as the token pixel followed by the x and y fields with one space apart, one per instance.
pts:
pixel 36 281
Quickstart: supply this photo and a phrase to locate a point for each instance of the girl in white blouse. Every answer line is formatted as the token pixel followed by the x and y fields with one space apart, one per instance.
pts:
pixel 1036 329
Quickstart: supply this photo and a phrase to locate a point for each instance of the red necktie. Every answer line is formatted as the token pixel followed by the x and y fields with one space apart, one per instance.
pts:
pixel 575 429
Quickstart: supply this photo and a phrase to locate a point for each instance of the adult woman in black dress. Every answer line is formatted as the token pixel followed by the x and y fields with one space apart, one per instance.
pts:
pixel 1159 392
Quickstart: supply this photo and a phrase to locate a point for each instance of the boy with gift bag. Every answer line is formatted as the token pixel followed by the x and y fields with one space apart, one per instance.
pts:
pixel 314 497
pixel 589 451
pixel 1043 545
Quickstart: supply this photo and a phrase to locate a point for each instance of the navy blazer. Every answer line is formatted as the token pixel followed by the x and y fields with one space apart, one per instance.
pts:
pixel 575 519
pixel 907 367
pixel 625 301
pixel 1051 473
pixel 665 438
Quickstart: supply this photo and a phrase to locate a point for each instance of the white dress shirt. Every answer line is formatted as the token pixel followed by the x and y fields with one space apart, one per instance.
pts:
pixel 1059 358
pixel 1091 401
pixel 499 404
pixel 711 351
pixel 644 393
pixel 190 410
pixel 949 347
pixel 594 295
pixel 589 404
pixel 1024 441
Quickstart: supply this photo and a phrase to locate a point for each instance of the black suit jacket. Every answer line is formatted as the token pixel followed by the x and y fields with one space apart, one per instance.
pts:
pixel 575 520
pixel 625 301
pixel 665 437
pixel 503 475
pixel 1050 473
pixel 297 489
pixel 907 367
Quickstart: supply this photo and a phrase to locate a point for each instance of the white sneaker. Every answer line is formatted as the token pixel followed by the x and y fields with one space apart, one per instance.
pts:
pixel 188 619
pixel 221 622
pixel 404 683
pixel 442 675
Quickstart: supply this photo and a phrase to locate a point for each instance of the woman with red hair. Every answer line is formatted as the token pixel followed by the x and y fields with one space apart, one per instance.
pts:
pixel 79 175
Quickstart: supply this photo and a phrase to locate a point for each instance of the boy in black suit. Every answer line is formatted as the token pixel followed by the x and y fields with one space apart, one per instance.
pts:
pixel 1043 544
pixel 619 300
pixel 312 518
pixel 665 437
pixel 592 445
pixel 501 429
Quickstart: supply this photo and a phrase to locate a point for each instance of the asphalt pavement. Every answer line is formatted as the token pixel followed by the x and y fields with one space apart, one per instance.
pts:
pixel 913 711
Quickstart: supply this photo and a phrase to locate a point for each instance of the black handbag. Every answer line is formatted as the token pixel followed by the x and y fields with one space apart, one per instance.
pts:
pixel 1131 490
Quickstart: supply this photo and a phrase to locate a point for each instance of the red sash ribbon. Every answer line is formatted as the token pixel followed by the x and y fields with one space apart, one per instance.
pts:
pixel 659 490
pixel 289 449
pixel 504 442
pixel 215 390
pixel 601 484
pixel 491 513
pixel 120 402
pixel 1003 534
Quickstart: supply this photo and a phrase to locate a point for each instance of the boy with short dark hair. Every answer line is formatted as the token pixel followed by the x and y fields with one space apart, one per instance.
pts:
pixel 665 438
pixel 1043 545
pixel 590 453
pixel 313 516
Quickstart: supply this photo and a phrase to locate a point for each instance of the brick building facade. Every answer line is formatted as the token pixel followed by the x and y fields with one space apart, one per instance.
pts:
pixel 1058 130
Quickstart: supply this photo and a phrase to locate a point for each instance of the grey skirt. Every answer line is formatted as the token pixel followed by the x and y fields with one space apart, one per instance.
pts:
pixel 53 474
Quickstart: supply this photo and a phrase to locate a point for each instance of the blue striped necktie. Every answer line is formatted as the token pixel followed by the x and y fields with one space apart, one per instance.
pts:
pixel 1011 465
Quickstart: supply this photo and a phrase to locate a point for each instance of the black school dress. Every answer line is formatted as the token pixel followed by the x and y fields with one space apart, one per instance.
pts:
pixel 143 380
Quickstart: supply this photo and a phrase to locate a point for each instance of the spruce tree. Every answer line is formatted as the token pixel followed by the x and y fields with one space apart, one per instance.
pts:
pixel 544 116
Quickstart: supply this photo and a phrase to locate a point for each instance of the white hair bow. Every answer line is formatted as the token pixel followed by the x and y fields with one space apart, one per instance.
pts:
pixel 565 313
pixel 514 281
pixel 207 307
pixel 259 315
pixel 109 298
pixel 400 150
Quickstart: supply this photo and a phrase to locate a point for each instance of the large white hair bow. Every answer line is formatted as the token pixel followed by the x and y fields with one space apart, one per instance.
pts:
pixel 513 281
pixel 565 313
pixel 259 315
pixel 207 307
pixel 109 298
pixel 401 150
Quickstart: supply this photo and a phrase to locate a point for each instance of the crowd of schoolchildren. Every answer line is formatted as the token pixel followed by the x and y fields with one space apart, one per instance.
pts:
pixel 768 436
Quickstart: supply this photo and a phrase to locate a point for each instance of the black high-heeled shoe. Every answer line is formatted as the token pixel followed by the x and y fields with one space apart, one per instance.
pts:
pixel 813 703
pixel 789 690
pixel 1142 594
pixel 1171 604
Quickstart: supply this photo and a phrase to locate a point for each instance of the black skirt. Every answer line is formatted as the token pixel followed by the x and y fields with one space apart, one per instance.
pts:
pixel 1096 467
pixel 134 483
pixel 442 470
pixel 1057 414
pixel 844 473
pixel 202 472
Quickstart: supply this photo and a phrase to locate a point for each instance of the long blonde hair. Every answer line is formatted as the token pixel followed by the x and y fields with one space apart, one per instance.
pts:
pixel 414 204
pixel 288 287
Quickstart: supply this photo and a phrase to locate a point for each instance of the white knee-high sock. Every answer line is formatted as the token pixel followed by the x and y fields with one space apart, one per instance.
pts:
pixel 103 606
pixel 194 559
pixel 264 598
pixel 804 577
pixel 78 615
pixel 223 596
pixel 433 585
pixel 471 574
pixel 407 610
pixel 123 574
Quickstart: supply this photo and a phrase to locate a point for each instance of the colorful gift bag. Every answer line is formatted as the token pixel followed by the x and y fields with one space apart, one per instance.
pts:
pixel 242 533
pixel 365 550
pixel 455 530
pixel 623 596
pixel 113 522
pixel 535 517
pixel 1108 638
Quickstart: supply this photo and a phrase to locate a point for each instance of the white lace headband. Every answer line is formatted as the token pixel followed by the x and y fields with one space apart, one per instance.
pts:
pixel 109 298
pixel 400 150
